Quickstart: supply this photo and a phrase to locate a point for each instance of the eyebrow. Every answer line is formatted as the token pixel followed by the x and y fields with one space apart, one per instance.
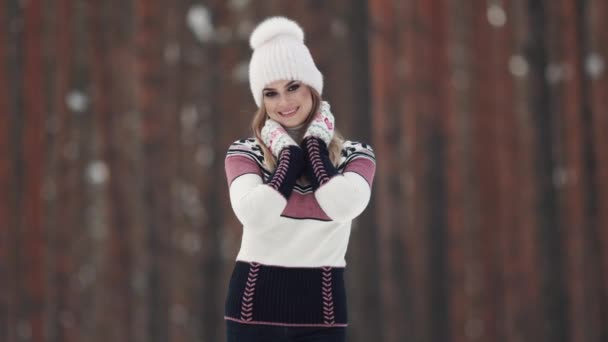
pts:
pixel 286 86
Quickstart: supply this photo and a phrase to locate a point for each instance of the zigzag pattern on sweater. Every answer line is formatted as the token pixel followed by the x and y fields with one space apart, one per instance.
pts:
pixel 247 301
pixel 350 150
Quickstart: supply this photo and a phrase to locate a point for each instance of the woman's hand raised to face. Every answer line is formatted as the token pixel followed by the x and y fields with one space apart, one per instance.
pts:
pixel 275 137
pixel 323 125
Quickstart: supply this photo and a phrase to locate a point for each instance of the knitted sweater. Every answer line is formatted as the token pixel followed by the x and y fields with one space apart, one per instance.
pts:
pixel 289 270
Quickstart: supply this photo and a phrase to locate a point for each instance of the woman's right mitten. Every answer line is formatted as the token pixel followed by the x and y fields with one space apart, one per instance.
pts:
pixel 275 137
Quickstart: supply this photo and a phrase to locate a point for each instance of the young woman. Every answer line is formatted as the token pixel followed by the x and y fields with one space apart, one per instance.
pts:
pixel 295 186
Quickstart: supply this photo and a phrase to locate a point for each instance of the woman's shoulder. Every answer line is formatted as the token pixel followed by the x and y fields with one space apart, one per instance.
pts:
pixel 248 147
pixel 352 149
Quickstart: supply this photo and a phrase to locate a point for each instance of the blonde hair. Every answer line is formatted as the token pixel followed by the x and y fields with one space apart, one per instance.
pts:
pixel 259 119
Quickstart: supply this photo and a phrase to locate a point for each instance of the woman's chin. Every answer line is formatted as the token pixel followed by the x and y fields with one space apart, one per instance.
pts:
pixel 292 123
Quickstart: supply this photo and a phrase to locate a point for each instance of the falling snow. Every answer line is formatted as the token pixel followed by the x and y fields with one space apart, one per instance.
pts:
pixel 496 16
pixel 518 66
pixel 594 65
pixel 338 28
pixel 77 101
pixel 240 72
pixel 188 201
pixel 204 156
pixel 98 172
pixel 188 116
pixel 199 21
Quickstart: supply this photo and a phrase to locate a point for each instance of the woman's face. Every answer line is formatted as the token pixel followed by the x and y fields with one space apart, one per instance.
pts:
pixel 287 102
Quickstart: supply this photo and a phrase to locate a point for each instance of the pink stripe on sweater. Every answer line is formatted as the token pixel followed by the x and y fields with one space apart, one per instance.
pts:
pixel 237 165
pixel 285 324
pixel 364 167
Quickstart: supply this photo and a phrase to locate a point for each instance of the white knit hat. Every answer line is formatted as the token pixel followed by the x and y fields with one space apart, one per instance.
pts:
pixel 279 53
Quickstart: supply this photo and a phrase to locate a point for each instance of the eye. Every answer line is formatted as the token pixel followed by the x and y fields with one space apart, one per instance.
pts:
pixel 270 94
pixel 293 87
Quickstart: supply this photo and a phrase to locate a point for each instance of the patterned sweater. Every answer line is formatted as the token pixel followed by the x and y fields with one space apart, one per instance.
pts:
pixel 289 270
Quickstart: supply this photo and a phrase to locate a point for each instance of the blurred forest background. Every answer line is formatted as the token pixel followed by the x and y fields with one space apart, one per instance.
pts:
pixel 489 217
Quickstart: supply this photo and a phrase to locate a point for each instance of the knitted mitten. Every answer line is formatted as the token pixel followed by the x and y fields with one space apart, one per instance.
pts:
pixel 319 168
pixel 275 137
pixel 289 167
pixel 322 126
pixel 319 134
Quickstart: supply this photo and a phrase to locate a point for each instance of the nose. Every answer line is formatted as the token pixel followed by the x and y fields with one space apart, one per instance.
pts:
pixel 283 102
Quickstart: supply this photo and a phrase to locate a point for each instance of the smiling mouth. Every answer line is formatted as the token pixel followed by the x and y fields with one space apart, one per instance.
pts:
pixel 290 112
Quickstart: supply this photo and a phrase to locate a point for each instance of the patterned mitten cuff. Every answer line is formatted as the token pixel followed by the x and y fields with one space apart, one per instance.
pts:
pixel 319 168
pixel 322 126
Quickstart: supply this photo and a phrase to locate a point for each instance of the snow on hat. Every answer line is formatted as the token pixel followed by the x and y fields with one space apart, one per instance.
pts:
pixel 279 53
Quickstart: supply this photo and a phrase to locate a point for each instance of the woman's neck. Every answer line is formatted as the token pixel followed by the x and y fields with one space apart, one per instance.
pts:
pixel 296 133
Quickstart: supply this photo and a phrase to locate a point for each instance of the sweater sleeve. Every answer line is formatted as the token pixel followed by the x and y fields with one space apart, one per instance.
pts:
pixel 342 196
pixel 255 202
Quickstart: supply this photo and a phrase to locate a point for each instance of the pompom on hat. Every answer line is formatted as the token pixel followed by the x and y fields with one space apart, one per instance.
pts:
pixel 279 53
